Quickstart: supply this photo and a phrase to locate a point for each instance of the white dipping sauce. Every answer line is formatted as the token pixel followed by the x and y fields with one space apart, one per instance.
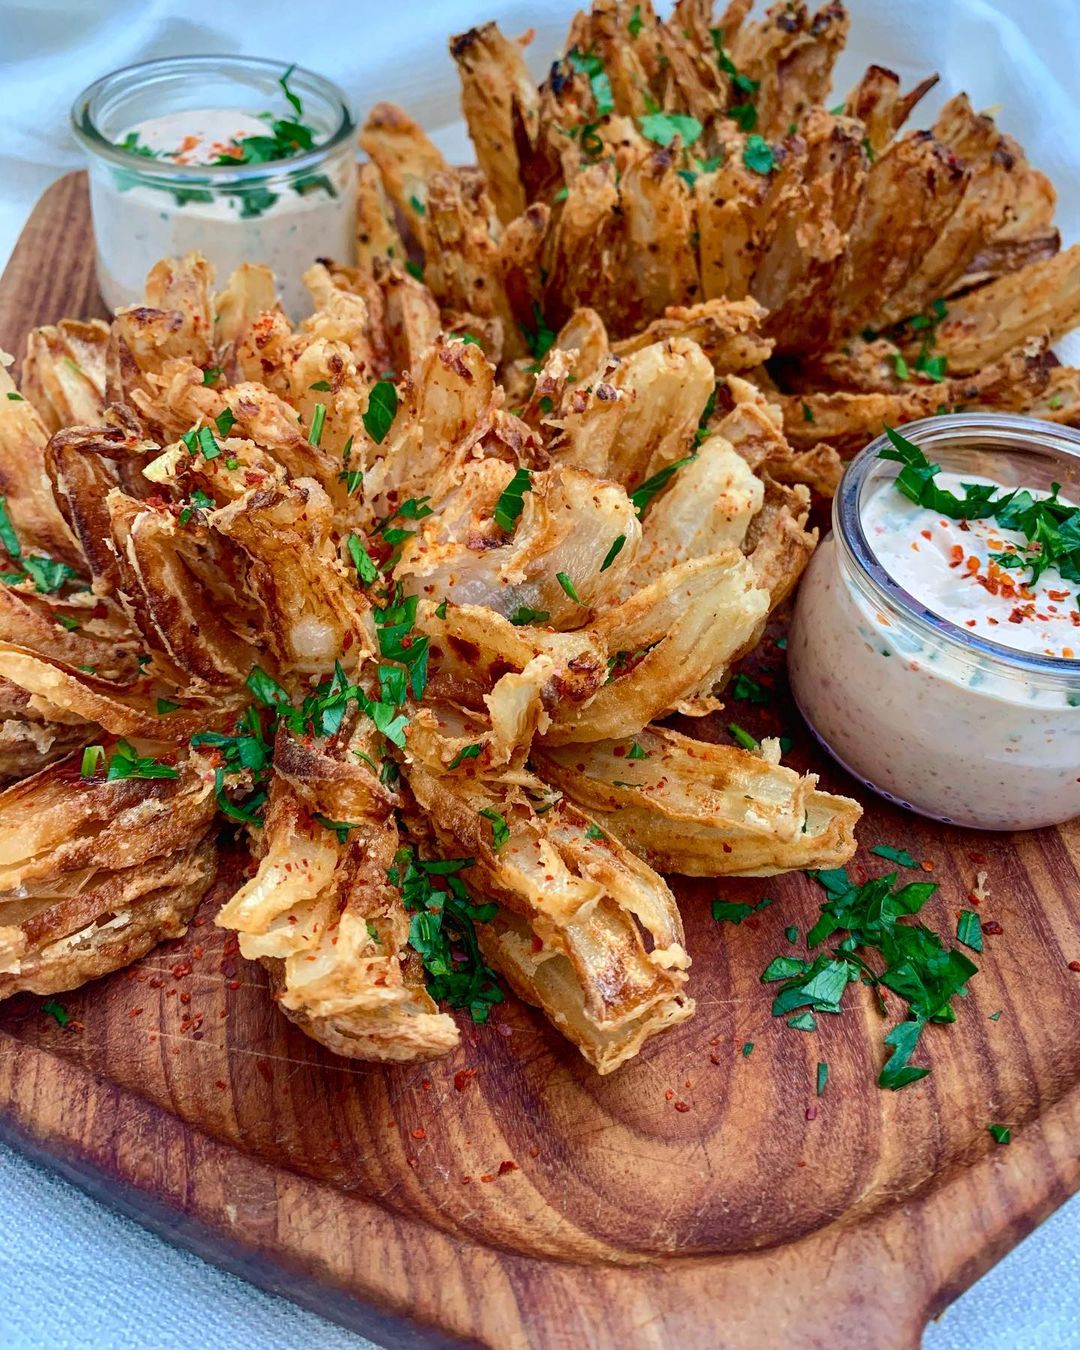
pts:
pixel 267 218
pixel 944 729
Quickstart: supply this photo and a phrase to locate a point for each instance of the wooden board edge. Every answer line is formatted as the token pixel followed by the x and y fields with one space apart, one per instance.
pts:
pixel 827 1288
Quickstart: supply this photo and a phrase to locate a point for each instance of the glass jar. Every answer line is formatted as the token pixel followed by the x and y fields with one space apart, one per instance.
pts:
pixel 284 213
pixel 928 714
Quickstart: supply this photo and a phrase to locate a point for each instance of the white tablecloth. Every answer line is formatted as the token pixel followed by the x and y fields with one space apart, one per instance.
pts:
pixel 71 1273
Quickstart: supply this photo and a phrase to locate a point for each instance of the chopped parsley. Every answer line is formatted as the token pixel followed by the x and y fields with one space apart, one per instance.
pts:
pixel 511 500
pixel 634 25
pixel 662 128
pixel 127 763
pixel 398 642
pixel 730 911
pixel 613 552
pixel 758 155
pixel 362 560
pixel 568 586
pixel 442 931
pixel 641 497
pixel 896 855
pixel 1001 1134
pixel 381 410
pixel 466 752
pixel 913 963
pixel 969 930
pixel 742 686
pixel 524 615
pixel 92 759
pixel 318 418
pixel 57 1012
pixel 166 706
pixel 593 831
pixel 591 65
pixel 822 1077
pixel 500 831
pixel 742 737
pixel 1051 527
pixel 637 752
pixel 540 338
pixel 340 827
pixel 748 1049
pixel 47 574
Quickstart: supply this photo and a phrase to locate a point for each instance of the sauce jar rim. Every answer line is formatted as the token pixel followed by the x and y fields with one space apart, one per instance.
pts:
pixel 930 433
pixel 128 79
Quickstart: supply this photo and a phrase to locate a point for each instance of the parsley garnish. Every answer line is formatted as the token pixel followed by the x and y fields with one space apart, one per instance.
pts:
pixel 318 417
pixel 1051 527
pixel 381 410
pixel 662 128
pixel 758 155
pixel 57 1012
pixel 127 763
pixel 540 338
pixel 397 642
pixel 896 855
pixel 637 752
pixel 442 931
pixel 969 930
pixel 524 615
pixel 916 965
pixel 591 65
pixel 593 831
pixel 225 421
pixel 500 831
pixel 47 574
pixel 568 586
pixel 742 737
pixel 642 496
pixel 1001 1134
pixel 613 552
pixel 742 686
pixel 730 911
pixel 634 26
pixel 166 706
pixel 748 1049
pixel 466 752
pixel 822 1077
pixel 92 759
pixel 511 500
pixel 340 827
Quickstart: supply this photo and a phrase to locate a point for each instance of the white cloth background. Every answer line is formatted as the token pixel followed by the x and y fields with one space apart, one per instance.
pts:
pixel 71 1273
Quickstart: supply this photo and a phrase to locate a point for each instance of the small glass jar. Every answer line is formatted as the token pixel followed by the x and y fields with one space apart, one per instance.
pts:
pixel 284 213
pixel 928 714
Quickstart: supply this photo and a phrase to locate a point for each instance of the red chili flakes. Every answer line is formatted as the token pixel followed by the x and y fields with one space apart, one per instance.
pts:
pixel 181 969
pixel 926 865
pixel 135 1012
pixel 426 1084
pixel 185 998
pixel 669 1093
pixel 508 1165
pixel 488 1176
pixel 419 1133
pixel 466 1180
pixel 221 1084
pixel 811 1113
pixel 682 1106
pixel 993 928
pixel 1074 965
pixel 714 1058
pixel 463 1078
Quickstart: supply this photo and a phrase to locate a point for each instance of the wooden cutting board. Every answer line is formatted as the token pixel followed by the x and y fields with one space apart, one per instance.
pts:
pixel 509 1197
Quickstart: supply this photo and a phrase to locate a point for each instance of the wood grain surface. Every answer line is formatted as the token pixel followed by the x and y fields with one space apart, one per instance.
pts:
pixel 508 1197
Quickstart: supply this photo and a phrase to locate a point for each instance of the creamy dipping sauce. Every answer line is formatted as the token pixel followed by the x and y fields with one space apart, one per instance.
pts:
pixel 947 565
pixel 249 203
pixel 931 722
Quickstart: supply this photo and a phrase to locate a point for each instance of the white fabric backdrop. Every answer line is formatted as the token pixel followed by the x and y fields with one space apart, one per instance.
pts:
pixel 74 1275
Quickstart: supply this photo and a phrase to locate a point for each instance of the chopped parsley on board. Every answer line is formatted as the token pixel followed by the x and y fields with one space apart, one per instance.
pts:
pixel 874 941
